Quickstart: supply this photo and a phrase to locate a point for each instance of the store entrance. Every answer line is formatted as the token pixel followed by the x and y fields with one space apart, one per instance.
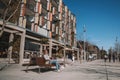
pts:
pixel 6 52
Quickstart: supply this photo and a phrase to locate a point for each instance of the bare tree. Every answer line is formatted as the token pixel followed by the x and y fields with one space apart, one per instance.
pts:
pixel 117 47
pixel 5 17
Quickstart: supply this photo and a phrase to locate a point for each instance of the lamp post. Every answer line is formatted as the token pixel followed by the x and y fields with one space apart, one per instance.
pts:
pixel 117 45
pixel 84 30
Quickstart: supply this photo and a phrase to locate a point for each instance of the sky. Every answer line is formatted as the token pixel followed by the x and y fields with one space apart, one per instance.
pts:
pixel 101 19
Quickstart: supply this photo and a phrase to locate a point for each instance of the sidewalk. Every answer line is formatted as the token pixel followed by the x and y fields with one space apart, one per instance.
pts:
pixel 3 63
pixel 94 70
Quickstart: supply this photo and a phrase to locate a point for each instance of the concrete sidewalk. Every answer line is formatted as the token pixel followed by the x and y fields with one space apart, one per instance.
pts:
pixel 3 63
pixel 94 70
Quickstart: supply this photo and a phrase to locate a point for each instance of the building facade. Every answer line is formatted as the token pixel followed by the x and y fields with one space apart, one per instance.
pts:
pixel 38 25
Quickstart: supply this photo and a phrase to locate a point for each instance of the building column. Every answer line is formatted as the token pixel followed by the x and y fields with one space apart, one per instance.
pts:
pixel 22 44
pixel 78 55
pixel 11 38
pixel 50 47
pixel 41 49
pixel 64 54
pixel 84 55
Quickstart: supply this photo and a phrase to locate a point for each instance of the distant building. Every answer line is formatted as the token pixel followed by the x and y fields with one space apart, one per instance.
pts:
pixel 89 48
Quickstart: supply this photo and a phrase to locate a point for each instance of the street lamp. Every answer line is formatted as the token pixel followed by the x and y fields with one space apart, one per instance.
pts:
pixel 117 45
pixel 84 30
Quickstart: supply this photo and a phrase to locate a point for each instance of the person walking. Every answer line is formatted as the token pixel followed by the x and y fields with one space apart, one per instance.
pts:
pixel 109 57
pixel 119 57
pixel 105 57
pixel 73 57
pixel 90 57
pixel 113 57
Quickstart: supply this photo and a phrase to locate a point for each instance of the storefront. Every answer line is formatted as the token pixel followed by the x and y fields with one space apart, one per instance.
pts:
pixel 12 42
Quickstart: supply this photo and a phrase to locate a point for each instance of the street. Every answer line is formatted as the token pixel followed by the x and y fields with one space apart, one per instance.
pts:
pixel 94 70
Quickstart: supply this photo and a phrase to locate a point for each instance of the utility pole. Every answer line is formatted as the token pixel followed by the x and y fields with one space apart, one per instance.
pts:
pixel 102 56
pixel 117 45
pixel 84 31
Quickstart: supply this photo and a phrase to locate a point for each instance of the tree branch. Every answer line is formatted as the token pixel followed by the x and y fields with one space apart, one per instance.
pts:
pixel 14 11
pixel 5 13
pixel 4 21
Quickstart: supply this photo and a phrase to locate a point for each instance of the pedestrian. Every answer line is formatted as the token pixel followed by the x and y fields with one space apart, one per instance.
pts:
pixel 90 57
pixel 73 57
pixel 105 57
pixel 70 56
pixel 109 57
pixel 113 57
pixel 119 57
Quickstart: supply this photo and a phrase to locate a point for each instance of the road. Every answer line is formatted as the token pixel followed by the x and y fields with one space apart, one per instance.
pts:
pixel 94 70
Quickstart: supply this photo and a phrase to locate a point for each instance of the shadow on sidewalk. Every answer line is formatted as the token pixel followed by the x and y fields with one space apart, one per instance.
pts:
pixel 42 70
